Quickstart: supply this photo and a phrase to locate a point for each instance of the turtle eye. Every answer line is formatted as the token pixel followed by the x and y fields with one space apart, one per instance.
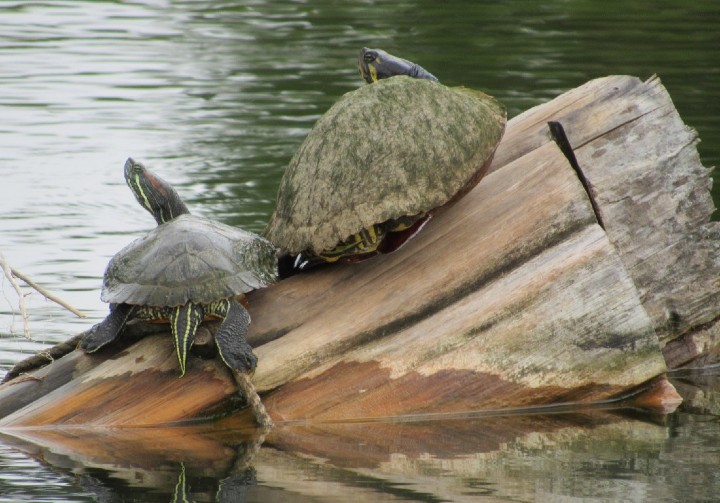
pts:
pixel 370 56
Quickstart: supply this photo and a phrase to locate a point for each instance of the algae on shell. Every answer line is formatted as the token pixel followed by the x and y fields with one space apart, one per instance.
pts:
pixel 398 147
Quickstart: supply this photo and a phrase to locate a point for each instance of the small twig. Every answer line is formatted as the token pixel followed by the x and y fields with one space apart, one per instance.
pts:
pixel 42 358
pixel 21 296
pixel 11 274
pixel 47 294
pixel 245 385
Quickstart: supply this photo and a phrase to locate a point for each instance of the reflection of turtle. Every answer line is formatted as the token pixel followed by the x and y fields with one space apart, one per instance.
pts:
pixel 375 166
pixel 186 269
pixel 376 64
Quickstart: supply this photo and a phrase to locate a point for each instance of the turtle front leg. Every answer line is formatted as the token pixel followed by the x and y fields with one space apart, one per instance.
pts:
pixel 237 354
pixel 109 329
pixel 184 321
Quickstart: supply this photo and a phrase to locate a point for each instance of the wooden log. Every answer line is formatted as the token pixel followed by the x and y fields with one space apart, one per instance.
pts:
pixel 653 193
pixel 140 386
pixel 516 295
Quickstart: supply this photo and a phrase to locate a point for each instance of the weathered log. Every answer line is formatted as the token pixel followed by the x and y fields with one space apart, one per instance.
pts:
pixel 654 198
pixel 516 295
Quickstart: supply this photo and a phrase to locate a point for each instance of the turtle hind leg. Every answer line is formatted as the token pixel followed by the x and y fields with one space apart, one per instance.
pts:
pixel 234 349
pixel 109 329
pixel 358 247
pixel 237 354
pixel 184 321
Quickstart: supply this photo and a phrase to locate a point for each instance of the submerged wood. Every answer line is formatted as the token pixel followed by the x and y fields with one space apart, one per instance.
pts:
pixel 514 296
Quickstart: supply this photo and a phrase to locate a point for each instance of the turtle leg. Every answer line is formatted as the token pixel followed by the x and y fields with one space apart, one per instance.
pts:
pixel 360 246
pixel 237 354
pixel 234 350
pixel 107 330
pixel 184 321
pixel 355 248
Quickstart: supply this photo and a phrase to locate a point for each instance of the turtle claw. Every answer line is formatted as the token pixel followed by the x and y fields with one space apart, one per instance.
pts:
pixel 96 338
pixel 237 355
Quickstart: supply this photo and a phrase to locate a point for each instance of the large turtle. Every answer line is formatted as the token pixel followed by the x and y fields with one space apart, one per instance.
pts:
pixel 379 162
pixel 186 269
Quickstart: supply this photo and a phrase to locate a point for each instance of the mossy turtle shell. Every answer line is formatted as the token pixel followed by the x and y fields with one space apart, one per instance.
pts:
pixel 398 147
pixel 189 259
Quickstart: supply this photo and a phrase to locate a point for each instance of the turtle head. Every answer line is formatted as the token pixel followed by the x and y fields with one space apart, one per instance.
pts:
pixel 153 193
pixel 376 64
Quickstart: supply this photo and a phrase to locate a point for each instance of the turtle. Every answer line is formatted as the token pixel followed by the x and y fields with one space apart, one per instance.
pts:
pixel 378 164
pixel 186 269
pixel 376 64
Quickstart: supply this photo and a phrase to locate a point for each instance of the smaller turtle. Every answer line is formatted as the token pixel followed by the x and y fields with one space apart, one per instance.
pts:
pixel 185 270
pixel 376 64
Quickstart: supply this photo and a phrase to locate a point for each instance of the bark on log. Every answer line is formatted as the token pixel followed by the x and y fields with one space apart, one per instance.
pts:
pixel 513 296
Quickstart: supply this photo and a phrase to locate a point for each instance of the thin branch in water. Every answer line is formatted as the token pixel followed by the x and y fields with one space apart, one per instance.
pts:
pixel 21 296
pixel 47 294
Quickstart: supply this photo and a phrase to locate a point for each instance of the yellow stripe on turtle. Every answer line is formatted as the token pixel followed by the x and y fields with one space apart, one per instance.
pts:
pixel 373 73
pixel 364 242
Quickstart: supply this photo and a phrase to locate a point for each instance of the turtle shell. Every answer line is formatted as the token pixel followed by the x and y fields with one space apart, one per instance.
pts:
pixel 189 259
pixel 398 147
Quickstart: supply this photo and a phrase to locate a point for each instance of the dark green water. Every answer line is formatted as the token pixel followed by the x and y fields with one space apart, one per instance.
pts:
pixel 217 95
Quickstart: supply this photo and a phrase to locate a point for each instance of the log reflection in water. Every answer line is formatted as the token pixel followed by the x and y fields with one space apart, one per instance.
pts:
pixel 501 455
